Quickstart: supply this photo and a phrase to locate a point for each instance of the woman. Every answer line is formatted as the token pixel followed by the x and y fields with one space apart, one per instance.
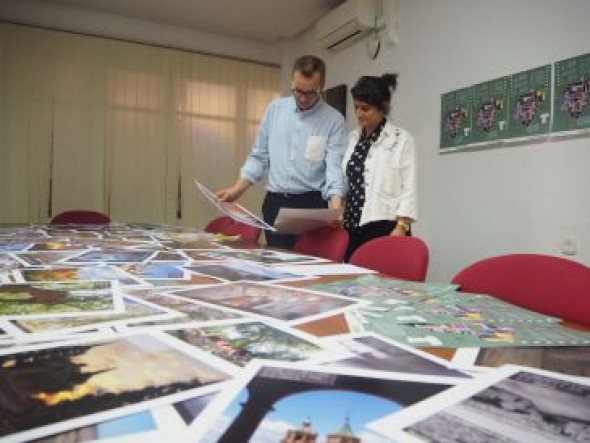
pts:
pixel 380 167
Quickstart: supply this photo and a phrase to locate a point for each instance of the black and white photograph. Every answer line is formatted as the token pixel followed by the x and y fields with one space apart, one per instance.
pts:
pixel 512 404
pixel 371 351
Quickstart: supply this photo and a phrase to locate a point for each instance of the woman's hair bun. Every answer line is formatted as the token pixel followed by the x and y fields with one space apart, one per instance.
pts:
pixel 391 80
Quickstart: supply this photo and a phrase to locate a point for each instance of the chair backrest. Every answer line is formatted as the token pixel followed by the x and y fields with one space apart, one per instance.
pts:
pixel 325 242
pixel 228 226
pixel 543 283
pixel 80 217
pixel 398 256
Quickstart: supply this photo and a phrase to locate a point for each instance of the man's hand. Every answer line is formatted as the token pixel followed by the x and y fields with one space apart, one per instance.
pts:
pixel 234 192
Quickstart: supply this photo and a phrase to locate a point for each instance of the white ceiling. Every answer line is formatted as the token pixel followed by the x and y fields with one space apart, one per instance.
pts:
pixel 265 20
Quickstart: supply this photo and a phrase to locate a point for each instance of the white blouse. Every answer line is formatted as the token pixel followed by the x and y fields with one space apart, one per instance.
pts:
pixel 390 175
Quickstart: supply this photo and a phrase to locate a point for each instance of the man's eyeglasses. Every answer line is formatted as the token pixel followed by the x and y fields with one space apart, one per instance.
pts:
pixel 307 94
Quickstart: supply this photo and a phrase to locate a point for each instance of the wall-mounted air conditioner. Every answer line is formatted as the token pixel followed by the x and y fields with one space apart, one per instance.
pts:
pixel 346 23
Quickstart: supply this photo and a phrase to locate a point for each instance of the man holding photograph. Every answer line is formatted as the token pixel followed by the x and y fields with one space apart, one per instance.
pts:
pixel 299 147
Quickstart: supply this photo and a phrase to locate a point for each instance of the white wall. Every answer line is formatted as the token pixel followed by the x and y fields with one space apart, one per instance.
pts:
pixel 67 18
pixel 526 198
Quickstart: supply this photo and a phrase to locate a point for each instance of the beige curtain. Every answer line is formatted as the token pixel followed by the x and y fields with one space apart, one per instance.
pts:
pixel 122 128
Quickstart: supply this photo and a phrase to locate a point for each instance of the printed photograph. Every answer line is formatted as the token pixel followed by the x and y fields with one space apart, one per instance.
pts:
pixel 187 244
pixel 235 270
pixel 274 403
pixel 193 310
pixel 190 409
pixel 112 256
pixel 203 255
pixel 279 302
pixel 265 256
pixel 193 281
pixel 169 256
pixel 563 359
pixel 15 247
pixel 9 231
pixel 44 388
pixel 59 298
pixel 139 422
pixel 524 407
pixel 135 310
pixel 97 272
pixel 234 210
pixel 44 258
pixel 8 262
pixel 239 343
pixel 72 234
pixel 372 352
pixel 156 271
pixel 56 246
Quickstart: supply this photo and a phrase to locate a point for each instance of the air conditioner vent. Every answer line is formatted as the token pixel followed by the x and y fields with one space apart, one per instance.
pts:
pixel 346 24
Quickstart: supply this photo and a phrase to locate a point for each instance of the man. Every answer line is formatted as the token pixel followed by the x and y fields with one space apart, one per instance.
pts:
pixel 299 147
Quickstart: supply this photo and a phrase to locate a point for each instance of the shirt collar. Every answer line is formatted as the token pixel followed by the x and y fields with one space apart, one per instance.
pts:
pixel 309 111
pixel 376 134
pixel 388 130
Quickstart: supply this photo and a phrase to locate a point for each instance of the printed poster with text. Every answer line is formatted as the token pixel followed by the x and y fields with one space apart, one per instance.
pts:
pixel 490 110
pixel 529 96
pixel 456 118
pixel 572 90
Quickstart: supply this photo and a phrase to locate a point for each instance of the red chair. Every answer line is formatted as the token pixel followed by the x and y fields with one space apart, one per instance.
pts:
pixel 80 217
pixel 228 226
pixel 542 283
pixel 325 242
pixel 398 256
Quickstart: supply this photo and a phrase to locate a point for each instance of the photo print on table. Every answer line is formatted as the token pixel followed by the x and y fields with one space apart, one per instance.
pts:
pixel 293 305
pixel 111 256
pixel 241 341
pixel 270 401
pixel 46 299
pixel 373 352
pixel 236 270
pixel 512 403
pixel 265 256
pixel 135 310
pixel 56 387
pixel 193 310
pixel 570 360
pixel 74 273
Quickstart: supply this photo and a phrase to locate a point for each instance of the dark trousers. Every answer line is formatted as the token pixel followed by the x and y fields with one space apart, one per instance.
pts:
pixel 275 201
pixel 362 234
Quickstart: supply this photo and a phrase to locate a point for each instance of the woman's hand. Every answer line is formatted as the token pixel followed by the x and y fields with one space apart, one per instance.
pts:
pixel 336 202
pixel 398 230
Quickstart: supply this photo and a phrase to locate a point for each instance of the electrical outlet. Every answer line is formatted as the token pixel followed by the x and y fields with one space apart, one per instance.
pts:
pixel 568 246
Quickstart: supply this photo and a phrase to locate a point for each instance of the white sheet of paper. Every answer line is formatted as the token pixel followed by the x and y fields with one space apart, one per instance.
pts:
pixel 299 221
pixel 235 211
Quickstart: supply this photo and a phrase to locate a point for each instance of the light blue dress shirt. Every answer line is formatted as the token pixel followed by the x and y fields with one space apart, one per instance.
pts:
pixel 299 151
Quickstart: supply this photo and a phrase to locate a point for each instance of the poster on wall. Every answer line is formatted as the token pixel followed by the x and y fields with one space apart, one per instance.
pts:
pixel 571 111
pixel 456 118
pixel 490 110
pixel 529 97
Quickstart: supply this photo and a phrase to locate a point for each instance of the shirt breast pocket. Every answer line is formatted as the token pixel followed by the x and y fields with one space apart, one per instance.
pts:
pixel 316 148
